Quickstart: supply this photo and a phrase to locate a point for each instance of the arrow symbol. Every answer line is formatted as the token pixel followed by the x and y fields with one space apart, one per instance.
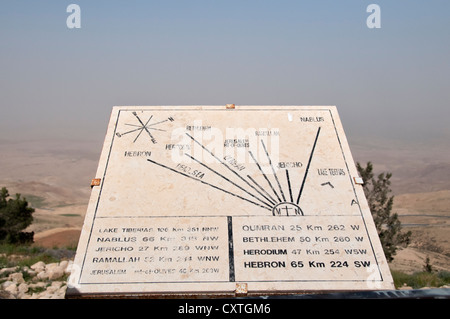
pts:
pixel 327 183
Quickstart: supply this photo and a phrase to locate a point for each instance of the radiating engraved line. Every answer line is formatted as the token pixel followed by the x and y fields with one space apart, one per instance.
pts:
pixel 273 201
pixel 268 181
pixel 230 169
pixel 307 166
pixel 229 181
pixel 143 127
pixel 156 123
pixel 273 170
pixel 140 128
pixel 289 185
pixel 211 185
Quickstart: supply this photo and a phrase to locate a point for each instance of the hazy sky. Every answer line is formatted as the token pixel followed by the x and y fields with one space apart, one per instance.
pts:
pixel 57 82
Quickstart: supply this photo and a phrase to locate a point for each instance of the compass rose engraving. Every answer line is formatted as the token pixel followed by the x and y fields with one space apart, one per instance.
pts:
pixel 140 127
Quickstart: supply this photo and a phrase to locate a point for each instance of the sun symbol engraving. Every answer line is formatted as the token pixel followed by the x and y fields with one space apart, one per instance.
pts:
pixel 141 127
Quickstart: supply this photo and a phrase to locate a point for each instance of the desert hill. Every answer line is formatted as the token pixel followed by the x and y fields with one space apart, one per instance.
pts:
pixel 54 176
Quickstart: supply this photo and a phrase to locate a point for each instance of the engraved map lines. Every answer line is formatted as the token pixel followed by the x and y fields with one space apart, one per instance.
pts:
pixel 269 196
pixel 141 127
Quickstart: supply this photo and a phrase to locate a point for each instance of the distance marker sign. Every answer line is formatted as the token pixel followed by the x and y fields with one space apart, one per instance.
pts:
pixel 209 200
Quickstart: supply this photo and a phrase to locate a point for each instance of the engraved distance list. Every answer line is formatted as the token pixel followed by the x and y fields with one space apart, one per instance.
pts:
pixel 281 249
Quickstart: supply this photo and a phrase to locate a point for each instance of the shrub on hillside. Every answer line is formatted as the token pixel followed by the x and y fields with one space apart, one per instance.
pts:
pixel 15 216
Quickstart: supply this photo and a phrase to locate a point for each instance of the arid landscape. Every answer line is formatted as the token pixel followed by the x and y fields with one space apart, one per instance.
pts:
pixel 421 186
pixel 55 178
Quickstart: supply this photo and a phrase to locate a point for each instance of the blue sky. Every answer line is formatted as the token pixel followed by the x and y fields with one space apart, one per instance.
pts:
pixel 391 82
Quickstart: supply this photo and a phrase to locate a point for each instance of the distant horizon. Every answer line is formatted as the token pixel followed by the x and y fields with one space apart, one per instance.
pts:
pixel 60 82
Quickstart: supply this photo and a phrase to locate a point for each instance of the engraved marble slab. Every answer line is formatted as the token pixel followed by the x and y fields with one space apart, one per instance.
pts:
pixel 213 200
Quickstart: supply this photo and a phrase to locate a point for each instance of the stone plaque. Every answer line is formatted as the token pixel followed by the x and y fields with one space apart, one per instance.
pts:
pixel 225 201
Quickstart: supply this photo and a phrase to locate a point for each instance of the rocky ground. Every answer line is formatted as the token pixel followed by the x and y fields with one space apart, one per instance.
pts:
pixel 40 281
pixel 49 281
